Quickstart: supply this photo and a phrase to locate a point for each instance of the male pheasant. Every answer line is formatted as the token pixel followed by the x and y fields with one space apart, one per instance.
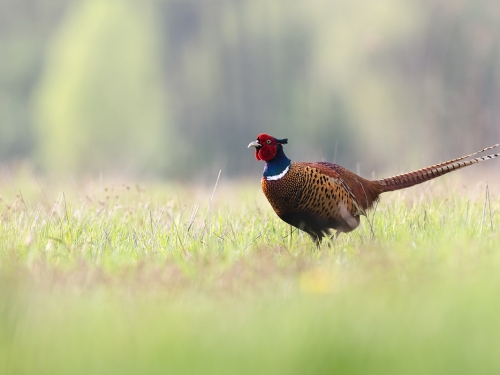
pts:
pixel 318 197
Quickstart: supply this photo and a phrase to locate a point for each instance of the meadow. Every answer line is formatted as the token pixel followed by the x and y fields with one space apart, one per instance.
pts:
pixel 115 278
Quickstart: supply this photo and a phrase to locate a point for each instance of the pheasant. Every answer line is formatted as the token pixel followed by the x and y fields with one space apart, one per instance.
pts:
pixel 320 197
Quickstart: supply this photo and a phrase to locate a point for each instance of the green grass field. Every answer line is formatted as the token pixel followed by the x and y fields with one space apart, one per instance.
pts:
pixel 118 279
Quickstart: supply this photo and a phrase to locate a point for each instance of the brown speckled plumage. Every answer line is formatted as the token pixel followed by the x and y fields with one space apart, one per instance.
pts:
pixel 318 197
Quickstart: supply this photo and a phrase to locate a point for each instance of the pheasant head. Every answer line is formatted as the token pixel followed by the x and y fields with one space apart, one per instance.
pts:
pixel 267 147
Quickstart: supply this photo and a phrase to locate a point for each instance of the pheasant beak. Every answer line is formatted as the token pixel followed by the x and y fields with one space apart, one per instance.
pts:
pixel 255 144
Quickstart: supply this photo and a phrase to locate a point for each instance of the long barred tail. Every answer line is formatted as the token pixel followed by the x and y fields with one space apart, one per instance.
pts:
pixel 425 174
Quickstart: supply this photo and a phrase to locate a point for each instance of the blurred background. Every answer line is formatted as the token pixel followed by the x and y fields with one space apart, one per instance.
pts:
pixel 178 88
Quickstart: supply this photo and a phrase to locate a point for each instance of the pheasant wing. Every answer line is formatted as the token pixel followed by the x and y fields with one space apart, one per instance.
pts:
pixel 364 193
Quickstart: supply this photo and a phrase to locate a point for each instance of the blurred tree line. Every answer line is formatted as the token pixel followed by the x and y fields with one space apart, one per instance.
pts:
pixel 180 87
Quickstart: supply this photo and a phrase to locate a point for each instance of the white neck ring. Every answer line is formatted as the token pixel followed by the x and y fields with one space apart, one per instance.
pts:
pixel 278 176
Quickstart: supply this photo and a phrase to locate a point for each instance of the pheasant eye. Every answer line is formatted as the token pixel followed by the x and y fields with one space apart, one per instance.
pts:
pixel 268 141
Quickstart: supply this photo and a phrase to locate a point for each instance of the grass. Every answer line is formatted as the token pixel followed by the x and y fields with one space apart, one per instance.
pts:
pixel 111 278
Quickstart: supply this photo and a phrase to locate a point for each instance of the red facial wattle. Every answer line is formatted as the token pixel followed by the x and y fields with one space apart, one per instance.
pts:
pixel 257 149
pixel 266 152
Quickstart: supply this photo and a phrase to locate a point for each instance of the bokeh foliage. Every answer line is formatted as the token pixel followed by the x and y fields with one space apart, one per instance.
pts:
pixel 179 87
pixel 101 102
